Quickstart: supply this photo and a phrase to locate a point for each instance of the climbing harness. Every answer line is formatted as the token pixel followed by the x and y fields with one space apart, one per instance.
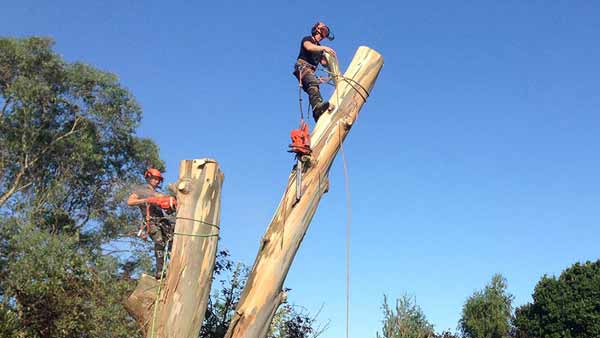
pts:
pixel 167 203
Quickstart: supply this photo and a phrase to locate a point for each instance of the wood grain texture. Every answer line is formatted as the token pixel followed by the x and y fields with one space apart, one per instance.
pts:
pixel 185 290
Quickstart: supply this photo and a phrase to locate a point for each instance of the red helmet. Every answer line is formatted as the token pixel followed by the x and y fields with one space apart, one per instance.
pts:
pixel 323 30
pixel 152 172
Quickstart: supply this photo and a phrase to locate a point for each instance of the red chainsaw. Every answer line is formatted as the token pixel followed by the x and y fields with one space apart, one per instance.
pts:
pixel 301 147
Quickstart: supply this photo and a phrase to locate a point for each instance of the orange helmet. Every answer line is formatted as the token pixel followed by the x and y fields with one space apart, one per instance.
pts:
pixel 152 172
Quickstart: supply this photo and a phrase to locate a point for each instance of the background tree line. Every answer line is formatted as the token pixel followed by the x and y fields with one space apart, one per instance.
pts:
pixel 567 306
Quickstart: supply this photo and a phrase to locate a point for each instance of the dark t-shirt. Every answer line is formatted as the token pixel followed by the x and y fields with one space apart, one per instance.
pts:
pixel 311 57
pixel 145 191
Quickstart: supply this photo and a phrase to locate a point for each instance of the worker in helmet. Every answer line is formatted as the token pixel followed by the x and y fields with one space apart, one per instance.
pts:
pixel 311 54
pixel 159 227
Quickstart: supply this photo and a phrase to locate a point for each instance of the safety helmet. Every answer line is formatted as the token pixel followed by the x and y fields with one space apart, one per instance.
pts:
pixel 323 30
pixel 152 172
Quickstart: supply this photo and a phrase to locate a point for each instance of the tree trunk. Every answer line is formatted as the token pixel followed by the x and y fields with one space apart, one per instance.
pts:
pixel 263 292
pixel 184 291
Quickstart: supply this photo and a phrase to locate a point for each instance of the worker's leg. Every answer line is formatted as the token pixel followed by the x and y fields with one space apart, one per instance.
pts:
pixel 159 248
pixel 310 84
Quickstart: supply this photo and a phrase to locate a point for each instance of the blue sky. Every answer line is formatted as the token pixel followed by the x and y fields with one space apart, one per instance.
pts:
pixel 477 152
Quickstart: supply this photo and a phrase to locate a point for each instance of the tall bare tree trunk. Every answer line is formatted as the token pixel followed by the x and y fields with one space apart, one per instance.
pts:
pixel 184 292
pixel 263 292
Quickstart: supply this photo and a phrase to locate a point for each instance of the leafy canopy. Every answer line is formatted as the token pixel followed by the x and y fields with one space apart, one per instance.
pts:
pixel 565 307
pixel 487 313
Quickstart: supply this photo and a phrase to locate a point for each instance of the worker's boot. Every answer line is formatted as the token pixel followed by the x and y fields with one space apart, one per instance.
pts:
pixel 320 109
pixel 316 102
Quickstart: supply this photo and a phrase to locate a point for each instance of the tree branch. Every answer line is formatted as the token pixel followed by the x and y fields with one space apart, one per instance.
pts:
pixel 49 146
pixel 14 187
pixel 27 163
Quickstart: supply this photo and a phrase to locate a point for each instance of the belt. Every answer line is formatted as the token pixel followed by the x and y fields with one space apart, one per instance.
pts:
pixel 303 63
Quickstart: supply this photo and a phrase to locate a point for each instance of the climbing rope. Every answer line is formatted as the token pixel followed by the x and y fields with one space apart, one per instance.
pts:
pixel 197 220
pixel 352 83
pixel 201 222
pixel 364 95
pixel 348 221
pixel 300 92
pixel 153 329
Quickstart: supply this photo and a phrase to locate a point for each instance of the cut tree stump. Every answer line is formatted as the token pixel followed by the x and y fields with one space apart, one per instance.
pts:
pixel 185 290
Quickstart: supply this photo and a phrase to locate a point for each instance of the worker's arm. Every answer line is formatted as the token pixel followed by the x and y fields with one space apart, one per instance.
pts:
pixel 135 200
pixel 311 47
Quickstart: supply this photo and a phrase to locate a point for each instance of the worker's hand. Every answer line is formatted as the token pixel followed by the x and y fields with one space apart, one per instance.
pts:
pixel 329 50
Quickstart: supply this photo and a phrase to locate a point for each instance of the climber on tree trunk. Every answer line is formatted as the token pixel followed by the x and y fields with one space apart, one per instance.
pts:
pixel 311 54
pixel 153 206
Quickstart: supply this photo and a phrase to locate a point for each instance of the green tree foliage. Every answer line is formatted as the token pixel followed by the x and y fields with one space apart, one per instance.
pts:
pixel 487 313
pixel 52 289
pixel 563 307
pixel 288 322
pixel 294 322
pixel 445 334
pixel 67 138
pixel 68 155
pixel 405 320
pixel 223 299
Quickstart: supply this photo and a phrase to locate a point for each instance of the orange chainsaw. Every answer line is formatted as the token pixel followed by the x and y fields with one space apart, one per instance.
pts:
pixel 301 147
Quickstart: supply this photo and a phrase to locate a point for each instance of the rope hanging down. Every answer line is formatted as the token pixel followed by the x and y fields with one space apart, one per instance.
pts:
pixel 348 212
pixel 348 221
pixel 353 84
pixel 364 95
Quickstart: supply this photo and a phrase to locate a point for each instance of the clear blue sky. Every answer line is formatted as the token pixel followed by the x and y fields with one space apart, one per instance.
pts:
pixel 477 153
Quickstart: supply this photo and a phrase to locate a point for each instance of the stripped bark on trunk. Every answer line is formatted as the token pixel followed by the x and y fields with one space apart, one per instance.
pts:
pixel 185 290
pixel 263 292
